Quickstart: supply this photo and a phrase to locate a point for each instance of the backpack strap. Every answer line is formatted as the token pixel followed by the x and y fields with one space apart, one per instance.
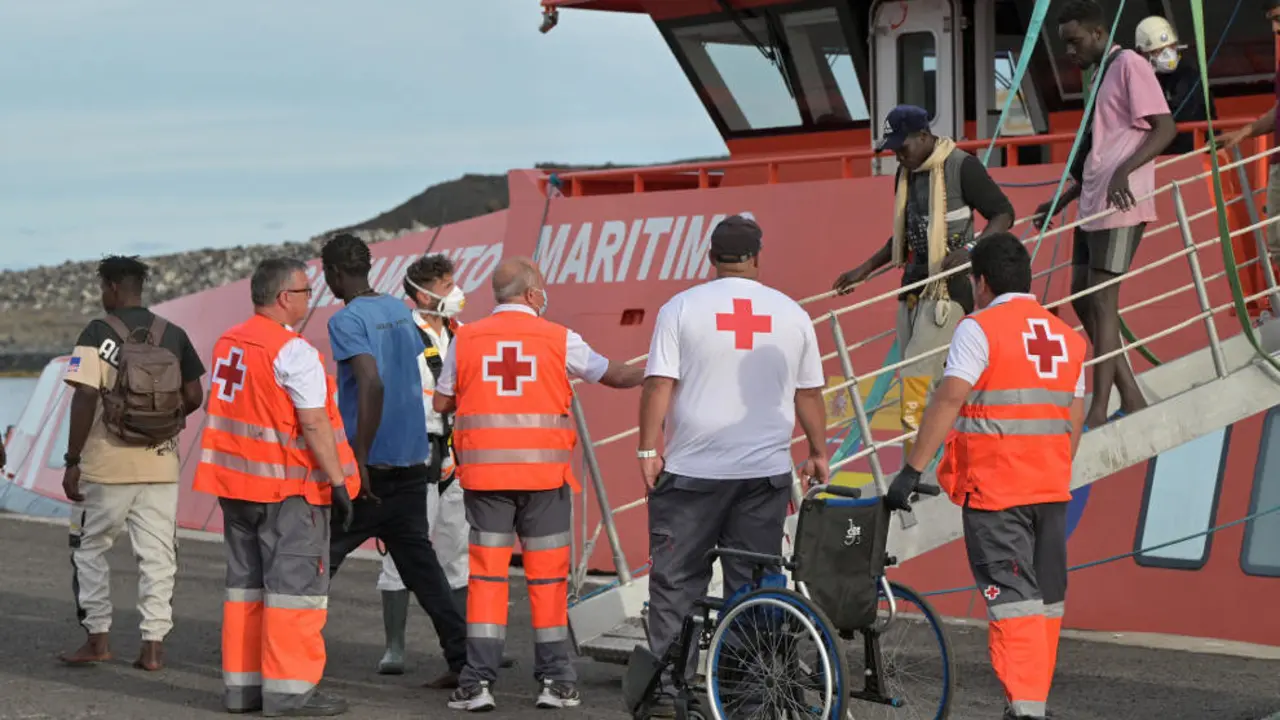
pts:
pixel 158 326
pixel 118 326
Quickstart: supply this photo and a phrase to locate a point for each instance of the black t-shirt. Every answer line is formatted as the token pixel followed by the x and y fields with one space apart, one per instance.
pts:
pixel 980 193
pixel 1182 91
pixel 98 334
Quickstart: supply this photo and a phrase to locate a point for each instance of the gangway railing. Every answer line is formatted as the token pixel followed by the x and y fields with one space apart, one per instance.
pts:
pixel 1189 251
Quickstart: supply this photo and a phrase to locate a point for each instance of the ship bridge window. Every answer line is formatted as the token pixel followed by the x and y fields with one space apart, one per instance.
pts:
pixel 1247 54
pixel 746 83
pixel 1261 552
pixel 778 68
pixel 1181 499
pixel 918 71
pixel 828 77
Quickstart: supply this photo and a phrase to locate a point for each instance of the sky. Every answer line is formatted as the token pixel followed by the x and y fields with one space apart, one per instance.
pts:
pixel 154 126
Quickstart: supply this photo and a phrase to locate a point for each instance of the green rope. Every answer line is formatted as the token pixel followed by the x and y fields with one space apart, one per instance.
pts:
pixel 1024 61
pixel 1224 232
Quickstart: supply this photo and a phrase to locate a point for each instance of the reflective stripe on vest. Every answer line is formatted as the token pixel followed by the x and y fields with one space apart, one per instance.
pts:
pixel 235 463
pixel 263 433
pixel 514 420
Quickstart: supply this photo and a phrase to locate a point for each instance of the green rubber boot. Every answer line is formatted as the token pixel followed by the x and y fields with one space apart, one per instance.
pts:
pixel 395 614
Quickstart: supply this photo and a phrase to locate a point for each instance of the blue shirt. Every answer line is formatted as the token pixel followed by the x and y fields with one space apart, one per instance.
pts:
pixel 383 327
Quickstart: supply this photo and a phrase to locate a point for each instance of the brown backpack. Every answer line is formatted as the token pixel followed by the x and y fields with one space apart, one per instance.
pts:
pixel 145 406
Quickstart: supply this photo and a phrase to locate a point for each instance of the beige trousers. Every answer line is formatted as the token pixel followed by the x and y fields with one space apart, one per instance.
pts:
pixel 150 512
pixel 919 332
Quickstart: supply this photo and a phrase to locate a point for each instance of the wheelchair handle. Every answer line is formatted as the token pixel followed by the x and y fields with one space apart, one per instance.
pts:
pixel 928 489
pixel 841 490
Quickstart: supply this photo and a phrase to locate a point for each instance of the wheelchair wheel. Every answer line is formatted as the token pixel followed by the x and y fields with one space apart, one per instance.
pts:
pixel 914 662
pixel 772 656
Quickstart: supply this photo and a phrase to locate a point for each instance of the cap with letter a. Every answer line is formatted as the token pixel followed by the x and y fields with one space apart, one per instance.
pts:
pixel 736 239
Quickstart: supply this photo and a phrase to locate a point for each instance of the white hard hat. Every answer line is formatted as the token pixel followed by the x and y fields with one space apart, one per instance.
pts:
pixel 1154 33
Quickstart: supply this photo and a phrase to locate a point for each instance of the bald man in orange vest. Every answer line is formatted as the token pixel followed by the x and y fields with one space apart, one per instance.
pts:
pixel 275 453
pixel 507 379
pixel 1010 410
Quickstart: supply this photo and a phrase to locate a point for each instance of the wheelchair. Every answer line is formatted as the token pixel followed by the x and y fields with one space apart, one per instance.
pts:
pixel 775 652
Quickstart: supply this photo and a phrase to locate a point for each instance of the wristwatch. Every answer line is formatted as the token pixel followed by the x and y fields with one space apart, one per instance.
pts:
pixel 642 454
pixel 70 460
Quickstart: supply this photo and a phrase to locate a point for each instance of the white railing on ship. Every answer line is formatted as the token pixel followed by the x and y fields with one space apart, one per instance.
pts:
pixel 862 416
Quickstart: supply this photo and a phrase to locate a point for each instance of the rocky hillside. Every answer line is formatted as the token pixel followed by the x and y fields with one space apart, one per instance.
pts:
pixel 43 310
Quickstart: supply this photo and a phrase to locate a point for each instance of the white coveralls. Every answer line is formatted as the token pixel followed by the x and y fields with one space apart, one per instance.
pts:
pixel 446 516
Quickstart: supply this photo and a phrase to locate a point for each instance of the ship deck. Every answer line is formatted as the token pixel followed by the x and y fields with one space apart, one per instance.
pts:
pixel 1096 679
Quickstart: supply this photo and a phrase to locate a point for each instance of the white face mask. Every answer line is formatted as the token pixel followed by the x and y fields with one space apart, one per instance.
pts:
pixel 1166 61
pixel 450 305
pixel 546 302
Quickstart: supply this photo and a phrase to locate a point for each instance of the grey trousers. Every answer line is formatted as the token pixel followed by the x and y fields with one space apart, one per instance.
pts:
pixel 690 516
pixel 542 520
pixel 276 605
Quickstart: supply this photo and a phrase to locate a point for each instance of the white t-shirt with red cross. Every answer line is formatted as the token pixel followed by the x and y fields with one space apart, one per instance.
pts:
pixel 738 351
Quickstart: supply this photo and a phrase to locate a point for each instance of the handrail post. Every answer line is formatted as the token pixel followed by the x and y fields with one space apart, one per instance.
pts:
pixel 597 484
pixel 860 412
pixel 1259 234
pixel 1197 277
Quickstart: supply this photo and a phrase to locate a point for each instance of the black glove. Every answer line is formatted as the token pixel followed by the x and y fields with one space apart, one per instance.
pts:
pixel 899 495
pixel 343 513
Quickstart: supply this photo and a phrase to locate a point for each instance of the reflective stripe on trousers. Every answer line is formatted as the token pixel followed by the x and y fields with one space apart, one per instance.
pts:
pixel 273 653
pixel 541 519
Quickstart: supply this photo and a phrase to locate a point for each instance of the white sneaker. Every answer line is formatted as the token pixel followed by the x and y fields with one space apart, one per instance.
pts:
pixel 476 698
pixel 558 695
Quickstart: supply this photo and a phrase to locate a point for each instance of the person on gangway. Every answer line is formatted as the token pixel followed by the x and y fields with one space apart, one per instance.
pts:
pixel 1266 125
pixel 1114 166
pixel 938 188
pixel 1179 77
pixel 732 365
pixel 506 379
pixel 1010 411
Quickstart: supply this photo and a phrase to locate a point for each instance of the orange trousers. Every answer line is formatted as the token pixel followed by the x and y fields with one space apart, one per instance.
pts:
pixel 276 604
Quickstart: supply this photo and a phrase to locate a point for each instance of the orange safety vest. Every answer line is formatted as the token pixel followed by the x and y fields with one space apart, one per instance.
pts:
pixel 252 446
pixel 1011 444
pixel 512 429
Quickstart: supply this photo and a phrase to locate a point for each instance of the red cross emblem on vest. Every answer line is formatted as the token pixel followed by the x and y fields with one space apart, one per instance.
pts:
pixel 1045 349
pixel 228 374
pixel 509 368
pixel 743 324
pixel 991 593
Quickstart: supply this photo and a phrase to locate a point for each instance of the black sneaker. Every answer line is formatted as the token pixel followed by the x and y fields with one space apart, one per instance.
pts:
pixel 558 695
pixel 475 698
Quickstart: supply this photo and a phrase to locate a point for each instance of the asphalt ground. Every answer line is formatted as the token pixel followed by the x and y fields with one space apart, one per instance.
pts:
pixel 37 621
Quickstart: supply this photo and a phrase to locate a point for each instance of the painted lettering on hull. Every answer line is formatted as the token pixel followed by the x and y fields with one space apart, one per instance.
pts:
pixel 617 251
pixel 473 264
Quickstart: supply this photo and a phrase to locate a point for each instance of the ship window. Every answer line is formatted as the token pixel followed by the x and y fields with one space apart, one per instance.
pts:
pixel 1248 46
pixel 747 86
pixel 1019 120
pixel 1261 552
pixel 1181 499
pixel 1066 73
pixel 825 66
pixel 918 71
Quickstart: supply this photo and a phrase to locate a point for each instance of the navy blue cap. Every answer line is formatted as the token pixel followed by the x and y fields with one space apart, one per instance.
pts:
pixel 902 121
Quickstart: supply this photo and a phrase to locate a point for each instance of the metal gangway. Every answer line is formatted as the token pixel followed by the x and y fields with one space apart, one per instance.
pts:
pixel 1221 383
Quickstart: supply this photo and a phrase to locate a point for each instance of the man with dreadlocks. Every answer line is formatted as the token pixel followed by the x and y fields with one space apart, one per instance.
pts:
pixel 377 345
pixel 116 476
pixel 938 188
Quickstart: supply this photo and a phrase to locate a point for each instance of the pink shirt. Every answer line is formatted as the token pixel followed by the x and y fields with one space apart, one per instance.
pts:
pixel 1129 93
